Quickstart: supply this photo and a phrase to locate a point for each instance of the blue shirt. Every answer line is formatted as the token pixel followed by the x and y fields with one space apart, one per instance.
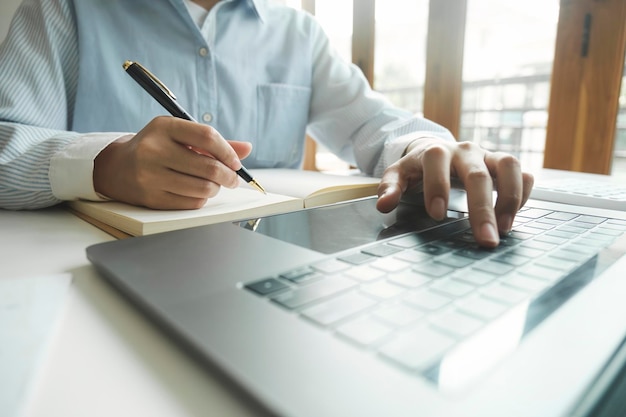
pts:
pixel 254 71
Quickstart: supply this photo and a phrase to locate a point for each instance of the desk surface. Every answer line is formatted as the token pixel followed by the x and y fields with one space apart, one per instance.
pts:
pixel 104 359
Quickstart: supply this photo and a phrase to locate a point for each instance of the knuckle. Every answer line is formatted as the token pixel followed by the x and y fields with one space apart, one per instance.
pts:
pixel 211 169
pixel 435 150
pixel 477 175
pixel 508 162
pixel 467 146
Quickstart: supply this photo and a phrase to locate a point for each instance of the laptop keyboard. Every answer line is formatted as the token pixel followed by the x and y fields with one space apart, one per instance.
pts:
pixel 413 298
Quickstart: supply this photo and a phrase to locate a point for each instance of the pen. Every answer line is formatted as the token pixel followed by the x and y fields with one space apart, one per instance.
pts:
pixel 167 99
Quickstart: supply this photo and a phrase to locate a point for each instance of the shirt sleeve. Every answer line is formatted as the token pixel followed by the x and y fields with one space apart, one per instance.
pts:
pixel 38 81
pixel 356 123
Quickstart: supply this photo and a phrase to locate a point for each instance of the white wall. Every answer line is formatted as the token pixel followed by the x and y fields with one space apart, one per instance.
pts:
pixel 7 9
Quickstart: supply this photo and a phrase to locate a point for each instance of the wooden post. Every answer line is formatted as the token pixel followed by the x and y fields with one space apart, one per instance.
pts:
pixel 586 77
pixel 363 36
pixel 444 63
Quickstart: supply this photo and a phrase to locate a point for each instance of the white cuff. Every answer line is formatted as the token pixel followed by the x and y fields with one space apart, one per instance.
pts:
pixel 71 169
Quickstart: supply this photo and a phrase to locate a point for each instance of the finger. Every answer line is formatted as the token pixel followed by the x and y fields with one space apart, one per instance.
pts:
pixel 190 163
pixel 470 167
pixel 506 169
pixel 171 201
pixel 203 137
pixel 242 149
pixel 528 181
pixel 436 171
pixel 188 186
pixel 390 189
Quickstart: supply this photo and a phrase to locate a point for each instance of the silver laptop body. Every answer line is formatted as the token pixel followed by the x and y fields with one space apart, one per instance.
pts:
pixel 343 311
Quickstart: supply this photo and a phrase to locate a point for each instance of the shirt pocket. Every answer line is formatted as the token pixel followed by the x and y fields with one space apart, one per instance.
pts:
pixel 283 112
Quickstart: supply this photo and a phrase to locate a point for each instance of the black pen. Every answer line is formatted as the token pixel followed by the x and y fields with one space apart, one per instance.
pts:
pixel 167 99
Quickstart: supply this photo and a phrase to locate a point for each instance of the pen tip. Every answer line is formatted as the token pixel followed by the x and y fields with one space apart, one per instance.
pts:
pixel 256 185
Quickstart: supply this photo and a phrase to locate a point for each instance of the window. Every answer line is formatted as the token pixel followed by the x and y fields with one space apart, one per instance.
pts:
pixel 508 54
pixel 619 153
pixel 400 56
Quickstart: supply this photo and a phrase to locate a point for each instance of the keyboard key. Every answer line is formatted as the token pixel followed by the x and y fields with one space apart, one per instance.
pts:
pixel 534 213
pixel 455 261
pixel 433 269
pixel 559 215
pixel 525 283
pixel 418 348
pixel 337 309
pixel 381 250
pixel 389 264
pixel 591 219
pixel 528 230
pixel 452 288
pixel 572 229
pixel 432 249
pixel 357 258
pixel 456 323
pixel 474 253
pixel 474 277
pixel 556 263
pixel 539 225
pixel 364 273
pixel 382 290
pixel 504 294
pixel 331 266
pixel 607 231
pixel 318 290
pixel 413 256
pixel 530 249
pixel 493 267
pixel 568 255
pixel 541 272
pixel 364 331
pixel 266 286
pixel 427 300
pixel 409 279
pixel 561 234
pixel 482 308
pixel 512 258
pixel 398 315
pixel 544 243
pixel 584 225
pixel 520 235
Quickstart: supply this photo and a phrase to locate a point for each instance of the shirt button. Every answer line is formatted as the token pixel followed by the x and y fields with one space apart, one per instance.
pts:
pixel 207 117
pixel 203 52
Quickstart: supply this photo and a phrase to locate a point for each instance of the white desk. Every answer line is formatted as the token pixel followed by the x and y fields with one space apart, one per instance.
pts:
pixel 105 359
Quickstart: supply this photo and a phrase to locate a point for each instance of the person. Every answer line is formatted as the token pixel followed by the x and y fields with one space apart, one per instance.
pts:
pixel 73 125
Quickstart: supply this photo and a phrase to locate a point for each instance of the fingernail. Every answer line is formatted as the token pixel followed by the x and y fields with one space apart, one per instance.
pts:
pixel 489 233
pixel 437 208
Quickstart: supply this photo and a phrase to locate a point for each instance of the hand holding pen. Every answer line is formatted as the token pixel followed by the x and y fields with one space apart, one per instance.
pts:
pixel 156 169
pixel 167 99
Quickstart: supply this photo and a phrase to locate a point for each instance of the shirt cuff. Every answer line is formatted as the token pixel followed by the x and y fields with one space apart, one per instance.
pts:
pixel 71 169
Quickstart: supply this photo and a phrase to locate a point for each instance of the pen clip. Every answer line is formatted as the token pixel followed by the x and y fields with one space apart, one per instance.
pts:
pixel 151 76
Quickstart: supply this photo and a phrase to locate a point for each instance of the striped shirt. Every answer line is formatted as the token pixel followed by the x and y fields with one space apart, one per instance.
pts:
pixel 254 71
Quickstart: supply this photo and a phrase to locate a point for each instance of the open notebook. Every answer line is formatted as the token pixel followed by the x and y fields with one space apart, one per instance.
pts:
pixel 288 190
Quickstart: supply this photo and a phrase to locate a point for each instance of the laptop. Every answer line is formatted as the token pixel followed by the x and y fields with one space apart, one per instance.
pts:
pixel 344 311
